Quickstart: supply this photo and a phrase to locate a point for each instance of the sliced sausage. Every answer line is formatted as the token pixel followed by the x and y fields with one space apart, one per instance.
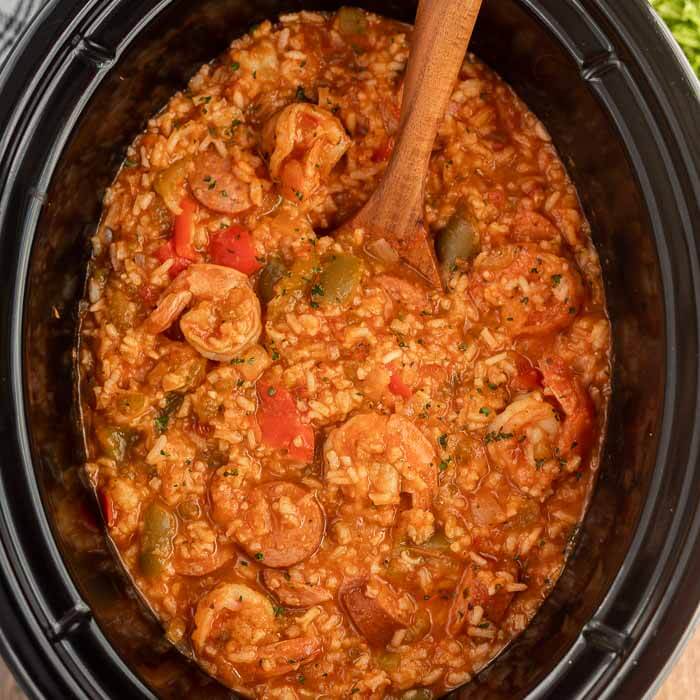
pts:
pixel 278 523
pixel 375 609
pixel 216 187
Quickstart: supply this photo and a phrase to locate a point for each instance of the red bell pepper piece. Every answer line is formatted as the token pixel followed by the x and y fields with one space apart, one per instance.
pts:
pixel 166 252
pixel 280 423
pixel 234 248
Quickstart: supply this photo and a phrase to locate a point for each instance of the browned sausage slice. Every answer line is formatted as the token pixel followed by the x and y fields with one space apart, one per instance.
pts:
pixel 279 523
pixel 375 609
pixel 295 594
pixel 216 187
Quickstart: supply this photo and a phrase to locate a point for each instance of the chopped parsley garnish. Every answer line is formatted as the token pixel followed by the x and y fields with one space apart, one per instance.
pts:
pixel 496 437
pixel 484 410
pixel 235 66
pixel 443 440
pixel 271 391
pixel 128 163
pixel 173 401
pixel 279 610
pixel 275 356
pixel 259 556
pixel 556 279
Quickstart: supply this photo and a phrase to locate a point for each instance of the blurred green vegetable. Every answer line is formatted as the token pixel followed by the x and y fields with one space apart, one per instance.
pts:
pixel 683 19
pixel 339 278
pixel 156 540
pixel 272 273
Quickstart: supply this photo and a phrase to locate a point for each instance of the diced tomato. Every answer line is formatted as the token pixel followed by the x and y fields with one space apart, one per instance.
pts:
pixel 107 507
pixel 183 234
pixel 383 152
pixel 166 252
pixel 398 387
pixel 280 423
pixel 234 248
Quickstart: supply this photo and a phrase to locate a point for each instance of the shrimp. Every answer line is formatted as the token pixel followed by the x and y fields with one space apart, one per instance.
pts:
pixel 304 142
pixel 536 293
pixel 531 443
pixel 377 611
pixel 293 593
pixel 224 318
pixel 522 442
pixel 408 463
pixel 238 638
pixel 216 187
pixel 278 523
pixel 375 458
pixel 578 425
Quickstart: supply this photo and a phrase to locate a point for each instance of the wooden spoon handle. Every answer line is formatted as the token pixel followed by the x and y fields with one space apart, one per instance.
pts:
pixel 440 40
pixel 441 37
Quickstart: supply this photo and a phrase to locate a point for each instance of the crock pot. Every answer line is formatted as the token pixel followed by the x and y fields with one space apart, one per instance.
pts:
pixel 623 109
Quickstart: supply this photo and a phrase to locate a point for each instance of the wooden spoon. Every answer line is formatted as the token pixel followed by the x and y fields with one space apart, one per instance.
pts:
pixel 394 213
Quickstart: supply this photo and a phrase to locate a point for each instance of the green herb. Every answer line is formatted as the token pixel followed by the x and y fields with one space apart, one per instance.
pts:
pixel 259 556
pixel 317 290
pixel 556 280
pixel 235 66
pixel 300 95
pixel 484 410
pixel 275 356
pixel 128 163
pixel 497 437
pixel 443 440
pixel 279 610
pixel 173 401
pixel 271 391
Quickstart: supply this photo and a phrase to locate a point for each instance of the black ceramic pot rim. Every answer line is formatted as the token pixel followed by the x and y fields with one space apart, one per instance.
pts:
pixel 638 653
